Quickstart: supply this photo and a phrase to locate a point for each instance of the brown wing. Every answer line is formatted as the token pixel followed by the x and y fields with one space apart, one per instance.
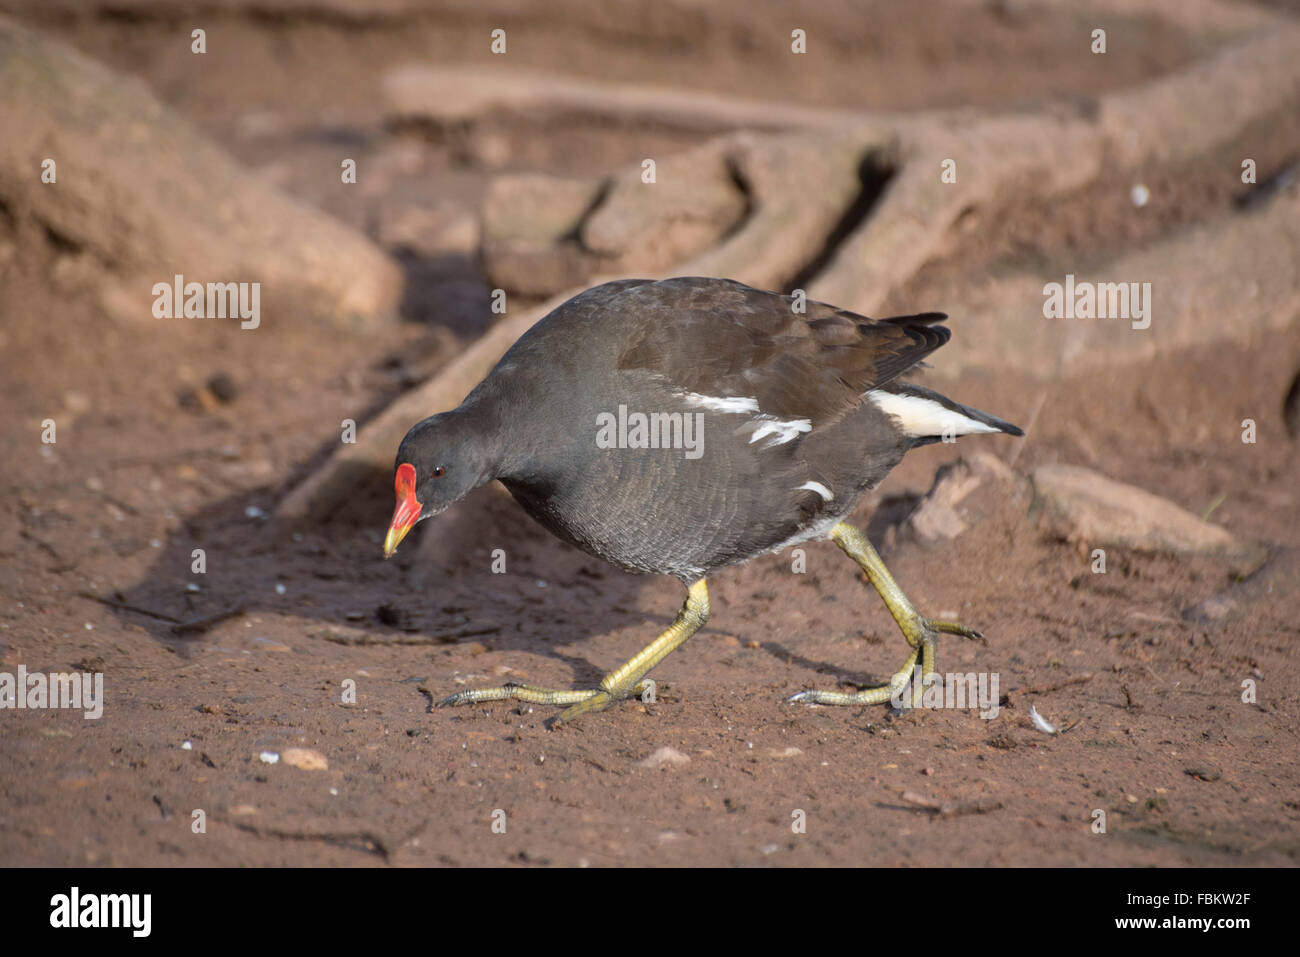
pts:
pixel 725 339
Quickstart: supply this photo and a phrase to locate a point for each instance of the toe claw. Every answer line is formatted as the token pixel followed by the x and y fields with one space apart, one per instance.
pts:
pixel 954 628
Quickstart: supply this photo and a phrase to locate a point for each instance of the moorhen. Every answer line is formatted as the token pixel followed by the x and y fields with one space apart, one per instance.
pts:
pixel 683 425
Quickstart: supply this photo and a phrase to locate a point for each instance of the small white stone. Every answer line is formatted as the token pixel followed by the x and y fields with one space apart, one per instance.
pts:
pixel 664 756
pixel 787 752
pixel 1140 195
pixel 269 757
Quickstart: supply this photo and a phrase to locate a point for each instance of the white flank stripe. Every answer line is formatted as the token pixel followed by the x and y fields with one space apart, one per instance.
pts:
pixel 920 417
pixel 784 431
pixel 738 404
pixel 764 425
pixel 819 488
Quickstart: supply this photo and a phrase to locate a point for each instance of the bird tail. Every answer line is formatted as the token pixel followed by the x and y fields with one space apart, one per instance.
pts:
pixel 928 416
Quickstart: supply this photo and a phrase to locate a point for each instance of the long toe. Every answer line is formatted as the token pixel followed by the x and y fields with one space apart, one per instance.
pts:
pixel 597 702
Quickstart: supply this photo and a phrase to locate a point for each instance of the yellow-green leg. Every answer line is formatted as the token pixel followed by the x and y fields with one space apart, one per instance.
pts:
pixel 620 683
pixel 921 633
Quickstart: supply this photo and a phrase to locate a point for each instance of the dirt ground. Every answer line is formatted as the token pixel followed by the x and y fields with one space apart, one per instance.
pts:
pixel 97 532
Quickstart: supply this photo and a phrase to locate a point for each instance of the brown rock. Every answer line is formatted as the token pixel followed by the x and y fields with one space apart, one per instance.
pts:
pixel 787 222
pixel 644 227
pixel 530 225
pixel 941 514
pixel 1279 576
pixel 441 229
pixel 1084 506
pixel 536 208
pixel 145 196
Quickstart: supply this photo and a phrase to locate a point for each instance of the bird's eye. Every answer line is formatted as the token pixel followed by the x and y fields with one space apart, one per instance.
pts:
pixel 440 471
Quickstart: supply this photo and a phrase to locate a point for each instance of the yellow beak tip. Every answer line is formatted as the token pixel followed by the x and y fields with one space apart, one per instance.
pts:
pixel 393 539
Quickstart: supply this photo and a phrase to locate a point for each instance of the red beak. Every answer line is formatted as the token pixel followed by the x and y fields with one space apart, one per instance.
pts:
pixel 407 512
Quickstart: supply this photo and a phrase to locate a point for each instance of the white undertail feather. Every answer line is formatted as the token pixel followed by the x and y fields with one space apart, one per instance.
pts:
pixel 920 417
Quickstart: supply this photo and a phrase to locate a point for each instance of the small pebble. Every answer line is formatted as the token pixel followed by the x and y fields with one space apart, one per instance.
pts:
pixel 305 759
pixel 269 757
pixel 223 387
pixel 664 757
pixel 76 402
pixel 790 752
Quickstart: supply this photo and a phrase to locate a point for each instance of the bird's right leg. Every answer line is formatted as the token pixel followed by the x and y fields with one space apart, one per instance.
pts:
pixel 629 679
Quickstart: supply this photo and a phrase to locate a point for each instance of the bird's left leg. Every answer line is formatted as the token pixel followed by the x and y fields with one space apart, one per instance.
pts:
pixel 921 633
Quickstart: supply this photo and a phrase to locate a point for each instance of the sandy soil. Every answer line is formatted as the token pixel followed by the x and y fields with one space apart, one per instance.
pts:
pixel 97 532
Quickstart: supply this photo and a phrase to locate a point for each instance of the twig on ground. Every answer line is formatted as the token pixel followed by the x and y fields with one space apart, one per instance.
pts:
pixel 922 802
pixel 200 625
pixel 124 606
